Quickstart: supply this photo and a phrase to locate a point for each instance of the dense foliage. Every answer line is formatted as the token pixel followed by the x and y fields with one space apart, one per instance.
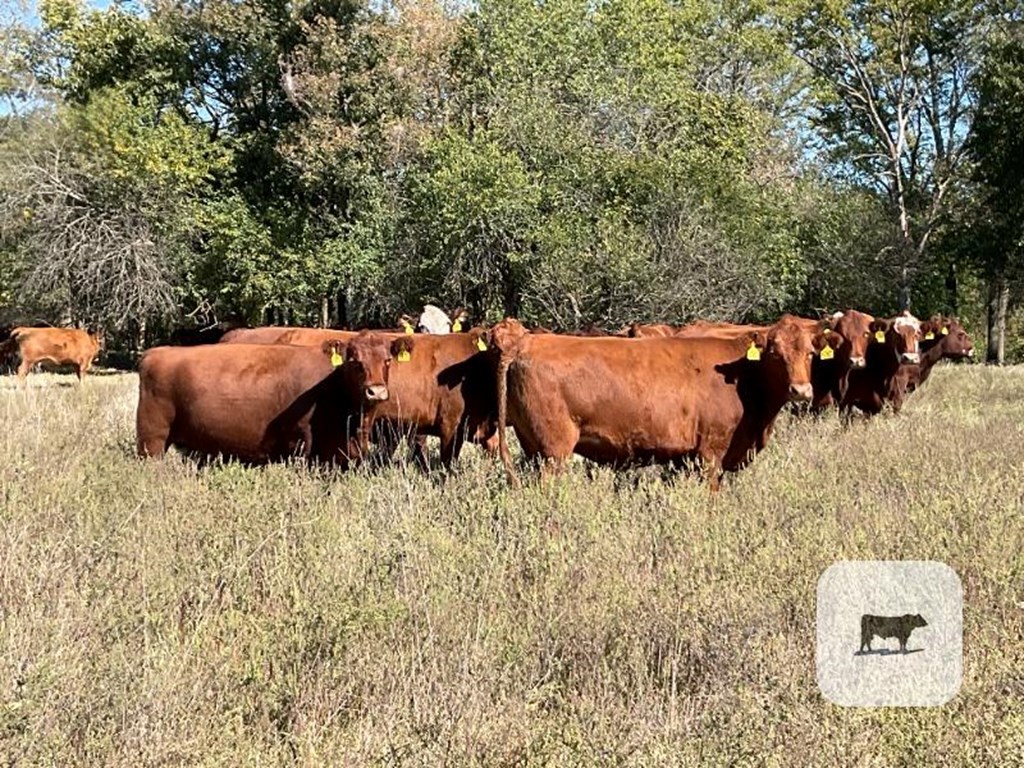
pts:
pixel 568 162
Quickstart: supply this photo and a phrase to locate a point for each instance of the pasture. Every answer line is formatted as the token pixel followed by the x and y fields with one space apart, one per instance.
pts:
pixel 159 613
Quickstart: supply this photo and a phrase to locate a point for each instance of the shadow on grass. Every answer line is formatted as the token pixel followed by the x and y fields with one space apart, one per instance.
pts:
pixel 887 652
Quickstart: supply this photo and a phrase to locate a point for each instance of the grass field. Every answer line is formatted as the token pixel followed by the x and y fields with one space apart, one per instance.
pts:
pixel 154 613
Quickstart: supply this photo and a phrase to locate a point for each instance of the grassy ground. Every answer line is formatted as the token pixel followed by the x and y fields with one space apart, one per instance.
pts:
pixel 154 613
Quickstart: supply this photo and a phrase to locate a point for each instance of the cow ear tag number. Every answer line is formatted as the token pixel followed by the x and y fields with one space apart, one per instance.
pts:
pixel 827 353
pixel 753 353
pixel 880 337
pixel 336 359
pixel 404 356
pixel 481 344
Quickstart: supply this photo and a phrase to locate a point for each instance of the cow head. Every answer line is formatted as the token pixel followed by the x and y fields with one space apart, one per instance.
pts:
pixel 853 326
pixel 956 344
pixel 931 332
pixel 407 324
pixel 789 346
pixel 460 320
pixel 367 363
pixel 433 320
pixel 907 329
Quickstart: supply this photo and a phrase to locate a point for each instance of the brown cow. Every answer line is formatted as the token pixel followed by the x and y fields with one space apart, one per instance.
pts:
pixel 446 390
pixel 60 346
pixel 893 343
pixel 280 334
pixel 665 400
pixel 827 369
pixel 262 403
pixel 940 338
pixel 651 330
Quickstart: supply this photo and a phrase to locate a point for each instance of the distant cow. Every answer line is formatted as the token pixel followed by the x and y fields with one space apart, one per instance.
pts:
pixel 940 338
pixel 261 403
pixel 893 343
pixel 192 337
pixel 284 334
pixel 650 330
pixel 666 400
pixel 60 346
pixel 885 627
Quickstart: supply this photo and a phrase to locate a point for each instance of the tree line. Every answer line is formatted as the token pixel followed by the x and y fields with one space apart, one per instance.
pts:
pixel 567 162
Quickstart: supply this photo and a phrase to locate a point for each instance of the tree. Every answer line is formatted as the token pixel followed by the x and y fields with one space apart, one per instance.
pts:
pixel 894 105
pixel 994 226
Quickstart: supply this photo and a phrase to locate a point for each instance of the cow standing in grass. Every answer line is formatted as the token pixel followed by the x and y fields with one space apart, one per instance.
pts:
pixel 59 346
pixel 262 403
pixel 663 400
pixel 893 343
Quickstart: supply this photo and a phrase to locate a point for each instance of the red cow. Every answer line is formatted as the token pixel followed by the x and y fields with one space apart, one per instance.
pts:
pixel 667 400
pixel 60 346
pixel 261 403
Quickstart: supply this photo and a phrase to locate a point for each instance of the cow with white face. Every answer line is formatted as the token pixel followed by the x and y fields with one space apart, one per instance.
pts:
pixel 909 328
pixel 434 320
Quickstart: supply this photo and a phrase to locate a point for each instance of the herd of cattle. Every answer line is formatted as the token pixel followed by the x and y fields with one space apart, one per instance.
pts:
pixel 704 394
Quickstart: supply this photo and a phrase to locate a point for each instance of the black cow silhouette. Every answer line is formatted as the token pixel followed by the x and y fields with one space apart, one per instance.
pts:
pixel 884 627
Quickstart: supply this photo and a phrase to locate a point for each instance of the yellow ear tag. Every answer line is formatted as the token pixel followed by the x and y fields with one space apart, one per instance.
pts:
pixel 945 331
pixel 827 353
pixel 929 336
pixel 880 337
pixel 336 359
pixel 457 326
pixel 407 328
pixel 753 353
pixel 404 356
pixel 481 344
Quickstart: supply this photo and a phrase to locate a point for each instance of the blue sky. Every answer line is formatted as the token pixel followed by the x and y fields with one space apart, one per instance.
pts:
pixel 32 15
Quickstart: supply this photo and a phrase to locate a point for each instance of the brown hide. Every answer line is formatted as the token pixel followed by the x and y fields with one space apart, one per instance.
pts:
pixel 445 389
pixel 261 403
pixel 665 400
pixel 60 346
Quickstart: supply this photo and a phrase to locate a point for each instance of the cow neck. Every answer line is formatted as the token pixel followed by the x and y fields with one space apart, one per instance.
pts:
pixel 773 380
pixel 932 355
pixel 882 363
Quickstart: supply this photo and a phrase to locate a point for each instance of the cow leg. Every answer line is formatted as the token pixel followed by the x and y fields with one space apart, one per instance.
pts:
pixel 451 445
pixel 23 368
pixel 418 452
pixel 152 438
pixel 712 467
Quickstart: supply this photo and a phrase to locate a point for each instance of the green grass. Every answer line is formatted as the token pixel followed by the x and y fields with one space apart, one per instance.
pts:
pixel 156 613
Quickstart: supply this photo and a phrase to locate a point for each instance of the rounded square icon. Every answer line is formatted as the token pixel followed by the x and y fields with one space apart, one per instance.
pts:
pixel 889 633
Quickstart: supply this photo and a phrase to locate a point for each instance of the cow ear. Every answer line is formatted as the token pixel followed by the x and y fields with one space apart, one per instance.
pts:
pixel 480 340
pixel 401 348
pixel 337 350
pixel 827 340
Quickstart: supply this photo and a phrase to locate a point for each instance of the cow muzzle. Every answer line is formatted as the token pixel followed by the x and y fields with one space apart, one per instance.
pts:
pixel 857 362
pixel 377 393
pixel 910 357
pixel 801 392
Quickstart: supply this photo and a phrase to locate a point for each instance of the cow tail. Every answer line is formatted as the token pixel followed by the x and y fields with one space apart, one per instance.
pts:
pixel 504 362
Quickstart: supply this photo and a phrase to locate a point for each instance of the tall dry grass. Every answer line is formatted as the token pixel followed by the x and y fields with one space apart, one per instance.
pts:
pixel 156 613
